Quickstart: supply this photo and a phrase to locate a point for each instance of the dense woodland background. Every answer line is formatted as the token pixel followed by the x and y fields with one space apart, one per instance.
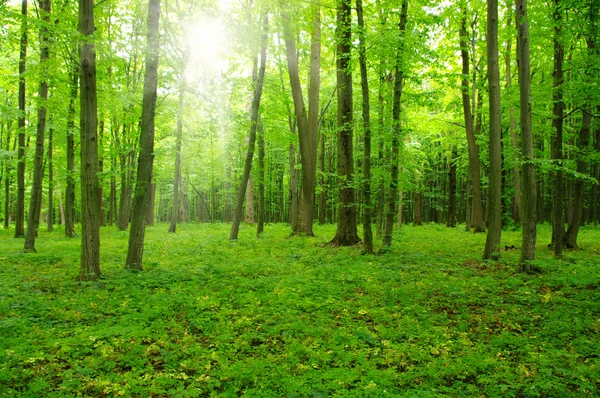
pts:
pixel 425 147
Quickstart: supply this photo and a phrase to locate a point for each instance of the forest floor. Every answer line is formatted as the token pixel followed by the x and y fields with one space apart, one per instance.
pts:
pixel 293 317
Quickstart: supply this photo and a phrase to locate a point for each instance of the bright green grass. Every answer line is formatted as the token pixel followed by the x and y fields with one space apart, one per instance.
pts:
pixel 279 317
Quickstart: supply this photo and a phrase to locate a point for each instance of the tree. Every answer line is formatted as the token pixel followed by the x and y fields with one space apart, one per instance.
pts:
pixel 474 166
pixel 237 216
pixel 70 189
pixel 366 115
pixel 177 177
pixel 261 181
pixel 529 185
pixel 35 204
pixel 88 120
pixel 141 196
pixel 492 244
pixel 346 233
pixel 396 129
pixel 20 210
pixel 558 218
pixel 308 122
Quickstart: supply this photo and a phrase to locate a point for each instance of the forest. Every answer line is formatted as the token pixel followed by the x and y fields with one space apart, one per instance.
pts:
pixel 304 198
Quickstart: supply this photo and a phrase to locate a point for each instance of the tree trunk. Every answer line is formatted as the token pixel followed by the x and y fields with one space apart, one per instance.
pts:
pixel 237 216
pixel 474 166
pixel 452 190
pixel 70 189
pixel 322 183
pixel 261 181
pixel 400 208
pixel 113 193
pixel 249 213
pixel 558 191
pixel 307 121
pixel 20 209
pixel 418 208
pixel 529 187
pixel 492 244
pixel 35 203
pixel 50 215
pixel 90 201
pixel 516 209
pixel 366 114
pixel 141 195
pixel 177 177
pixel 396 132
pixel 346 233
pixel 7 170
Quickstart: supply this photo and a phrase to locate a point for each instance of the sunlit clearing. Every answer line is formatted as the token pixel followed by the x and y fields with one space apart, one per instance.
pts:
pixel 207 42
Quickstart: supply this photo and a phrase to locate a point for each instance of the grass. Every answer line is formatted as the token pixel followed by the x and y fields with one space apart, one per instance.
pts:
pixel 292 317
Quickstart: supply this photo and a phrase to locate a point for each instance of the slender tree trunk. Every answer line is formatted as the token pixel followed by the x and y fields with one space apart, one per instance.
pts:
pixel 452 190
pixel 20 209
pixel 307 121
pixel 418 208
pixel 396 131
pixel 90 201
pixel 70 189
pixel 474 166
pixel 113 193
pixel 237 216
pixel 50 216
pixel 141 195
pixel 516 211
pixel 61 208
pixel 35 203
pixel 261 181
pixel 492 244
pixel 400 208
pixel 322 183
pixel 177 177
pixel 7 170
pixel 558 188
pixel 249 213
pixel 529 187
pixel 366 114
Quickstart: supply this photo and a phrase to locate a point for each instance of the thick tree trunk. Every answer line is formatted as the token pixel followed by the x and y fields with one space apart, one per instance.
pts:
pixel 307 121
pixel 177 176
pixel 90 201
pixel 492 244
pixel 474 166
pixel 70 189
pixel 558 188
pixel 20 208
pixel 452 190
pixel 249 213
pixel 418 208
pixel 366 114
pixel 237 216
pixel 346 233
pixel 529 188
pixel 141 195
pixel 35 203
pixel 50 215
pixel 261 182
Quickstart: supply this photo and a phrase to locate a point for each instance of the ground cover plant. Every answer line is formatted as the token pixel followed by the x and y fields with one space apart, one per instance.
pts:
pixel 294 317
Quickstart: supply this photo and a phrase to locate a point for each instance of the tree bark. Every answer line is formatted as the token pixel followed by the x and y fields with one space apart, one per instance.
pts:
pixel 418 208
pixel 366 114
pixel 50 215
pixel 492 244
pixel 20 208
pixel 516 210
pixel 177 176
pixel 558 188
pixel 35 203
pixel 452 190
pixel 7 173
pixel 261 182
pixel 90 201
pixel 346 233
pixel 396 131
pixel 237 216
pixel 70 189
pixel 474 165
pixel 249 213
pixel 307 121
pixel 141 195
pixel 529 186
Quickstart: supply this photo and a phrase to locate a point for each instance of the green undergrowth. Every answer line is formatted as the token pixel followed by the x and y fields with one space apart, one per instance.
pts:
pixel 293 317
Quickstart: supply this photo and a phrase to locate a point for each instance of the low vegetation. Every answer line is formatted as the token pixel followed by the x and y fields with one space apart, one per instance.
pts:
pixel 292 317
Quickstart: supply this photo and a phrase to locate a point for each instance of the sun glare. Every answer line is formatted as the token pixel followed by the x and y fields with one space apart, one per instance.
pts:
pixel 207 41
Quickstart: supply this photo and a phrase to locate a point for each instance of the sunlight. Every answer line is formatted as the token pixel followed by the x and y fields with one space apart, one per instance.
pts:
pixel 207 40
